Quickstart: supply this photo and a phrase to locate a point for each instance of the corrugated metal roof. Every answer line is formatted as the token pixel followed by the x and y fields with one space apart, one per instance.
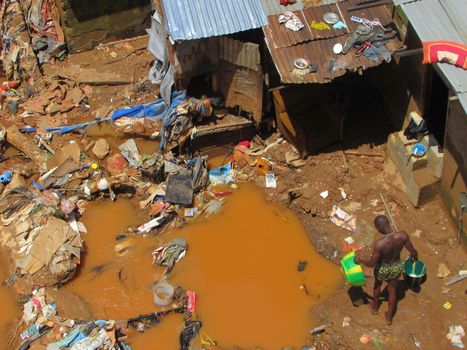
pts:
pixel 369 13
pixel 283 37
pixel 316 14
pixel 321 52
pixel 442 20
pixel 318 52
pixel 239 53
pixel 400 2
pixel 273 7
pixel 188 19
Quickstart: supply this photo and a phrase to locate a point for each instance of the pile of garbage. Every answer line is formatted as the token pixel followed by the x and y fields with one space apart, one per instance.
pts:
pixel 41 319
pixel 45 189
pixel 31 36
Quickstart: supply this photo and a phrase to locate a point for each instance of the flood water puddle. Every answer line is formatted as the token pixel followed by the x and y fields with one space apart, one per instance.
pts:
pixel 8 312
pixel 242 263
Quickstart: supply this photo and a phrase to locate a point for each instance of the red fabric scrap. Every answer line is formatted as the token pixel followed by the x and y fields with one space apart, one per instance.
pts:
pixel 445 52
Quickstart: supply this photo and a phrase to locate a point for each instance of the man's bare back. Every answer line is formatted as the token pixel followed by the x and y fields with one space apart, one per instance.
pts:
pixel 391 245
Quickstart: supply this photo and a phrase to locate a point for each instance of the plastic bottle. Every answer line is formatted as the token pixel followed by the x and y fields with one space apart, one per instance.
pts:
pixel 5 178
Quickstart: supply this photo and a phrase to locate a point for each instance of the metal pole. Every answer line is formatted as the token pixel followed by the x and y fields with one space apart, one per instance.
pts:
pixel 391 218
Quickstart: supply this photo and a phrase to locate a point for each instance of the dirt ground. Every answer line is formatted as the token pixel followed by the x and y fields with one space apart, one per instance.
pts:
pixel 362 178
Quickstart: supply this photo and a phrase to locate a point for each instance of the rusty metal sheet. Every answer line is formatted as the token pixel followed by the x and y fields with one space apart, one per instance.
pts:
pixel 380 12
pixel 194 57
pixel 242 87
pixel 321 52
pixel 318 52
pixel 316 14
pixel 283 37
pixel 241 54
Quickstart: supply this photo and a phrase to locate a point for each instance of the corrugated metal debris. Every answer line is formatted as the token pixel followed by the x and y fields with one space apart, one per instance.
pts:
pixel 189 20
pixel 241 54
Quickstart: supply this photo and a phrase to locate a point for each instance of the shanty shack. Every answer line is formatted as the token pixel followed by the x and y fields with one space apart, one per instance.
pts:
pixel 330 39
pixel 208 46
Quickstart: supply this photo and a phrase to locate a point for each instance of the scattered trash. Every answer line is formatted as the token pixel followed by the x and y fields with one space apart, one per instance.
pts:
pixel 270 180
pixel 206 340
pixel 443 271
pixel 455 280
pixel 324 194
pixel 349 240
pixel 189 332
pixel 130 151
pixel 302 265
pixel 445 290
pixel 319 25
pixel 163 293
pixel 291 21
pixel 169 254
pixel 343 219
pixel 346 322
pixel 343 194
pixel 222 175
pixel 318 330
pixel 179 189
pixel 191 306
pixel 455 335
pixel 190 212
pixel 148 226
pixel 417 342
pixel 5 178
pixel 447 305
pixel 213 207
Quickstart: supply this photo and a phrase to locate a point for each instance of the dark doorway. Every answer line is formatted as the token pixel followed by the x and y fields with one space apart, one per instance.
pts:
pixel 436 106
pixel 200 85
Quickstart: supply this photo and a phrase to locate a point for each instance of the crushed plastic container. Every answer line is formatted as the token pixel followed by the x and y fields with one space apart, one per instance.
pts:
pixel 163 293
pixel 5 178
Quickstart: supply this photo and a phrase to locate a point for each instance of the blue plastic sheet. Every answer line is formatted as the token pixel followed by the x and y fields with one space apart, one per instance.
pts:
pixel 157 110
pixel 153 110
pixel 222 175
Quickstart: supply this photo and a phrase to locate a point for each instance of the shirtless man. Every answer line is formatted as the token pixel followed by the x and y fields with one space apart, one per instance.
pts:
pixel 387 263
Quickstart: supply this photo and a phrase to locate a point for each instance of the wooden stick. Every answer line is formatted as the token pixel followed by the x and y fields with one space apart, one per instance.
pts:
pixel 104 83
pixel 127 55
pixel 356 153
pixel 124 40
pixel 389 212
pixel 345 161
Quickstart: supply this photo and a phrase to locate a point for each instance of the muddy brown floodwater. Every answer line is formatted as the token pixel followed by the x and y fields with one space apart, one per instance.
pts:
pixel 8 311
pixel 242 263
